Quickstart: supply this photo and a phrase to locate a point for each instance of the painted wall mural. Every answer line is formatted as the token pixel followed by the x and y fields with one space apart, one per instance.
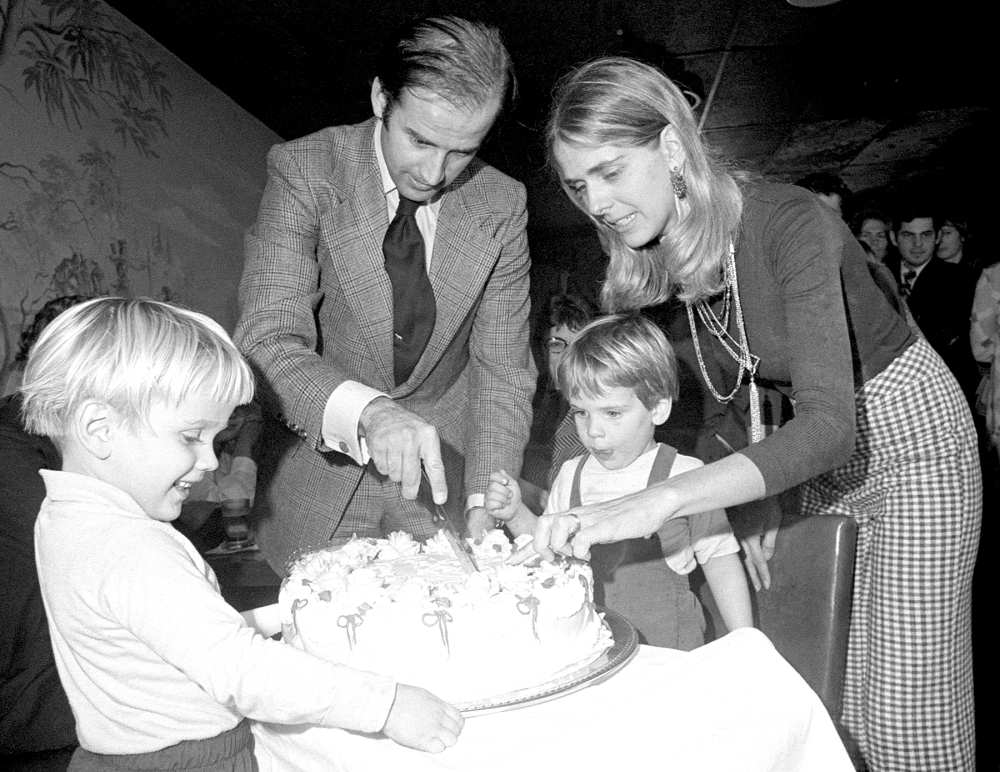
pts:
pixel 122 171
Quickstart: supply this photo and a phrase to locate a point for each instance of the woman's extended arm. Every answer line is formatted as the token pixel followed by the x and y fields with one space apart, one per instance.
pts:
pixel 724 483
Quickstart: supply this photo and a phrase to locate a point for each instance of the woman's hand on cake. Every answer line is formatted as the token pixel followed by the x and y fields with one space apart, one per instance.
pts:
pixel 418 719
pixel 555 533
pixel 572 533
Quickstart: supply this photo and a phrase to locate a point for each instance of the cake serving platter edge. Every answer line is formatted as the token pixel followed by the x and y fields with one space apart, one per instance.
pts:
pixel 625 646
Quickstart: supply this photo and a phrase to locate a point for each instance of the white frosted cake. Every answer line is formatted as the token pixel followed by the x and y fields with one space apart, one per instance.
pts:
pixel 408 610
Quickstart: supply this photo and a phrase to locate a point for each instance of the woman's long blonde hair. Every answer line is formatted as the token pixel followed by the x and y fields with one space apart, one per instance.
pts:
pixel 624 102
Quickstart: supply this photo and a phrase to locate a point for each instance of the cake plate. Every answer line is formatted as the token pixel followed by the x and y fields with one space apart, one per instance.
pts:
pixel 626 644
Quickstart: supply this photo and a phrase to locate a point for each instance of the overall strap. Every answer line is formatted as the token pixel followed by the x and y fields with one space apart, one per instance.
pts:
pixel 662 464
pixel 574 492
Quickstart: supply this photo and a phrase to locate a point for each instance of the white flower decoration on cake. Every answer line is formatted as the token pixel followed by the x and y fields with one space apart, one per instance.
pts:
pixel 399 545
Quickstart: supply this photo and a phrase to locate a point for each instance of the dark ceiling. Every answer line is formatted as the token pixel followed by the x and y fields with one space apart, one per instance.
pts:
pixel 885 93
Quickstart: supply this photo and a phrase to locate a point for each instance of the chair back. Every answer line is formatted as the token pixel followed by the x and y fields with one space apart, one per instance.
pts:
pixel 806 612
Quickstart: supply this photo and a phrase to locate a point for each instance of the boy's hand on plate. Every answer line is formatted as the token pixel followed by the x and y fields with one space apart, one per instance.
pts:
pixel 418 719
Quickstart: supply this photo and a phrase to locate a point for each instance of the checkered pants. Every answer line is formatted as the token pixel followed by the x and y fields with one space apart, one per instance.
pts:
pixel 913 486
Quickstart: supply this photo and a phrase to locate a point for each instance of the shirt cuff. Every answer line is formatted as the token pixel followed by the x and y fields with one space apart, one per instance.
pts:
pixel 342 419
pixel 365 703
pixel 475 500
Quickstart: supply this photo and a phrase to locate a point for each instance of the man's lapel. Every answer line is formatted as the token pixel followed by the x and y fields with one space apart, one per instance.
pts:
pixel 352 230
pixel 463 257
pixel 924 281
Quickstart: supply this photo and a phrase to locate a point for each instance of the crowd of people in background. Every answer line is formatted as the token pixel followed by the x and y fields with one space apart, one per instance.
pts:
pixel 924 256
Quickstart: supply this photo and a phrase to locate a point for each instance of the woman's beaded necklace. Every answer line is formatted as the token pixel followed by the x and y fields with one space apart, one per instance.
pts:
pixel 738 350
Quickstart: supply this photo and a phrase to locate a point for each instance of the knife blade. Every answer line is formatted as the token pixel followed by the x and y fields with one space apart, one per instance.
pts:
pixel 459 546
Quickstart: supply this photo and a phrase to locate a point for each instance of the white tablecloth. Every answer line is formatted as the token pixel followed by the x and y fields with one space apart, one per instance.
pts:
pixel 733 704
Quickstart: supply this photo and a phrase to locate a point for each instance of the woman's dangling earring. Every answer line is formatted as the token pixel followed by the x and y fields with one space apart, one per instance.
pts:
pixel 679 183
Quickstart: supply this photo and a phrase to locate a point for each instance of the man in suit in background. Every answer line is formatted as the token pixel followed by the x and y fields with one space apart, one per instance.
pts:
pixel 384 303
pixel 938 295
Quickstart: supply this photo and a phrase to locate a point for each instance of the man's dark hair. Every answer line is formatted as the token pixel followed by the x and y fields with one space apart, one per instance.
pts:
pixel 956 219
pixel 574 311
pixel 908 209
pixel 462 61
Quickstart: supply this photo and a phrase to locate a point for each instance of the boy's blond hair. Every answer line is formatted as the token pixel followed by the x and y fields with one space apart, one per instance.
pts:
pixel 131 354
pixel 625 350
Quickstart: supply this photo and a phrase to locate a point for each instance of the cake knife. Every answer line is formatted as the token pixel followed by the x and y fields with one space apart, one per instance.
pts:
pixel 459 545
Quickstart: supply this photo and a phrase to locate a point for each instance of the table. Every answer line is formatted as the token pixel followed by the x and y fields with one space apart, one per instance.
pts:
pixel 245 578
pixel 733 704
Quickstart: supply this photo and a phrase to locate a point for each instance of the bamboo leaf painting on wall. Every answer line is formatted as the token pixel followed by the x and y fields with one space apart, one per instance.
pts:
pixel 94 96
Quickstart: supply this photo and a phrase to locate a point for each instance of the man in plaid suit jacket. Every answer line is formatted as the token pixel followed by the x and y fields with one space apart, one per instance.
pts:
pixel 316 315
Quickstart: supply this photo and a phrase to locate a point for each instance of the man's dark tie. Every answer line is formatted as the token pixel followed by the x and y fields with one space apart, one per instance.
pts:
pixel 907 284
pixel 413 305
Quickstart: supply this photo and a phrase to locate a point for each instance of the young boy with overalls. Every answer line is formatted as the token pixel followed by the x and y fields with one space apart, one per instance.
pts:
pixel 620 377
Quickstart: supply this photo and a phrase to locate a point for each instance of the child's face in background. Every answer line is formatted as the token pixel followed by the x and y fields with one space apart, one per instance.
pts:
pixel 156 462
pixel 616 427
pixel 559 338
